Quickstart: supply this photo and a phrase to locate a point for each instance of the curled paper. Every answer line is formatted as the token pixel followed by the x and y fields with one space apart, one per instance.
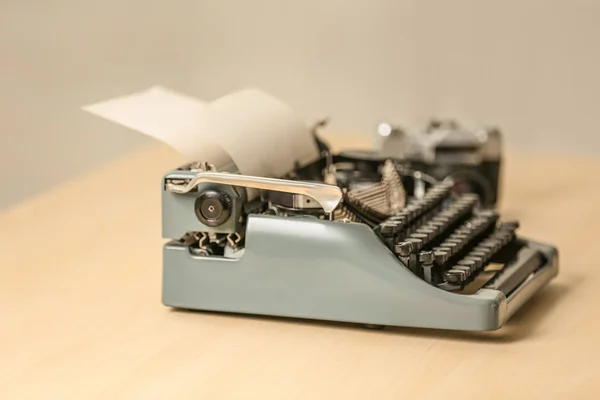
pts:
pixel 259 133
pixel 262 135
pixel 167 116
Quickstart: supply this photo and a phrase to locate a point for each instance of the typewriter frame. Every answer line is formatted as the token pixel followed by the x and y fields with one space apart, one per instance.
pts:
pixel 305 267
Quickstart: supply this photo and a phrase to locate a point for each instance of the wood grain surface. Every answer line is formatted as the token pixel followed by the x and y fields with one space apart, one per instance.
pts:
pixel 81 316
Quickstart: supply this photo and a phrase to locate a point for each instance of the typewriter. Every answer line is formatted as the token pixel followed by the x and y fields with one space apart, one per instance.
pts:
pixel 346 238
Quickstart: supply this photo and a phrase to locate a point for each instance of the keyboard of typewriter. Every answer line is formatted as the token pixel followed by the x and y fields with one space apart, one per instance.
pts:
pixel 450 243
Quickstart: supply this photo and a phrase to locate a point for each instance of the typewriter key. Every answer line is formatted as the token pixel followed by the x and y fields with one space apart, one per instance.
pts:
pixel 403 249
pixel 440 256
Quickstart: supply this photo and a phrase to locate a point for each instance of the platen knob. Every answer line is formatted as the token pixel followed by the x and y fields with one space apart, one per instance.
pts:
pixel 213 208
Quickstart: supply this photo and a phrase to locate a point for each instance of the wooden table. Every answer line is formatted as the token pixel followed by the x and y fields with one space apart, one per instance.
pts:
pixel 81 316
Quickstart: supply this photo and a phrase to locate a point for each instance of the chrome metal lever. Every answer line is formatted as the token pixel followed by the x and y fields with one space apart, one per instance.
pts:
pixel 328 196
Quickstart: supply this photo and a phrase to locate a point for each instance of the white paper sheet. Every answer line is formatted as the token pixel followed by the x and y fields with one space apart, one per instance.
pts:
pixel 259 133
pixel 171 117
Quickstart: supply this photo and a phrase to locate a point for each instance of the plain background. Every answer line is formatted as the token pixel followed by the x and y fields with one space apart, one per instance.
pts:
pixel 528 66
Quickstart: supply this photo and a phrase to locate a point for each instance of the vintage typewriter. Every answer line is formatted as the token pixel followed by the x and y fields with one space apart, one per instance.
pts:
pixel 344 238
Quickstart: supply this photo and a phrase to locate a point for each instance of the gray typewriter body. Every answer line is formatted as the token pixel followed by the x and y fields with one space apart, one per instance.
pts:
pixel 415 268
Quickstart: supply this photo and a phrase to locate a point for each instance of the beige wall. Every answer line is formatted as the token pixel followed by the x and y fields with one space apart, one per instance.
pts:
pixel 530 66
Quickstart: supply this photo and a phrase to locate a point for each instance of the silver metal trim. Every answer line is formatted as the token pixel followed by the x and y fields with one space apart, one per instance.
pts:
pixel 530 286
pixel 328 196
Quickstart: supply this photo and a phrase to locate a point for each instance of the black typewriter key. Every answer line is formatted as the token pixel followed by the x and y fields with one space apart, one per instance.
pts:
pixel 389 228
pixel 426 258
pixel 403 249
pixel 486 245
pixel 440 257
pixel 482 249
pixel 455 276
pixel 416 243
pixel 492 244
pixel 464 231
pixel 452 246
pixel 505 237
pixel 458 244
pixel 447 213
pixel 213 208
pixel 436 228
pixel 429 234
pixel 468 263
pixel 436 224
pixel 443 221
pixel 444 249
pixel 453 240
pixel 477 260
pixel 462 238
pixel 400 219
pixel 500 239
pixel 475 253
pixel 404 217
pixel 497 244
pixel 410 214
pixel 486 254
pixel 467 270
pixel 420 236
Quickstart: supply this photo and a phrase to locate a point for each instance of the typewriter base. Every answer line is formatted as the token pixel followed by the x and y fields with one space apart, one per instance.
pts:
pixel 321 270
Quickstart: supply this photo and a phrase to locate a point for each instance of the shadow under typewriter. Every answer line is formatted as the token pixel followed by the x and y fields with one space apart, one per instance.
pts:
pixel 437 261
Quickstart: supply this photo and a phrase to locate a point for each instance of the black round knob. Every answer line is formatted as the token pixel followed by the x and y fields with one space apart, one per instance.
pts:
pixel 213 208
